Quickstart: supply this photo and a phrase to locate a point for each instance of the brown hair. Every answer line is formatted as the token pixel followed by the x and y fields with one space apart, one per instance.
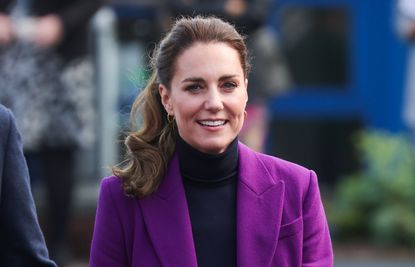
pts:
pixel 150 147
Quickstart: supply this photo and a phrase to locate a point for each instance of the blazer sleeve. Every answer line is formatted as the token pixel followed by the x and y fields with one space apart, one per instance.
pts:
pixel 317 247
pixel 108 245
pixel 22 243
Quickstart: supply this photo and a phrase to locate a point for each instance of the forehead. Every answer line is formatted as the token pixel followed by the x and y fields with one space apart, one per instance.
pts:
pixel 208 60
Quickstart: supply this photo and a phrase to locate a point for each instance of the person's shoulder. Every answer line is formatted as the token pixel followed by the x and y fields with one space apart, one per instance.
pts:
pixel 275 163
pixel 5 117
pixel 297 178
pixel 282 165
pixel 3 109
pixel 114 200
pixel 112 187
pixel 111 183
pixel 292 174
pixel 6 120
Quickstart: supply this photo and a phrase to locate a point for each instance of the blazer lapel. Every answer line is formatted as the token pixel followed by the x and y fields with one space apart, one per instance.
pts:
pixel 259 211
pixel 167 220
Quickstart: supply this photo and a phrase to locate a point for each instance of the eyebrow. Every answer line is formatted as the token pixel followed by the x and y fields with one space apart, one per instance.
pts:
pixel 197 79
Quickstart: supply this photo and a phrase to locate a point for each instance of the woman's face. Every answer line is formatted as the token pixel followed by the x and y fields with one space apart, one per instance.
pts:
pixel 208 96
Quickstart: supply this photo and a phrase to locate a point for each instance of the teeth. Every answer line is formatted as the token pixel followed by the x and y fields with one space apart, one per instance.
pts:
pixel 212 123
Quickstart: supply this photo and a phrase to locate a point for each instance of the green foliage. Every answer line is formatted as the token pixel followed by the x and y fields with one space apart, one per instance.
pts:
pixel 378 202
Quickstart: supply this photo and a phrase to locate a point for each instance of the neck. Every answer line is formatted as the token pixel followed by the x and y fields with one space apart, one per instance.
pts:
pixel 204 167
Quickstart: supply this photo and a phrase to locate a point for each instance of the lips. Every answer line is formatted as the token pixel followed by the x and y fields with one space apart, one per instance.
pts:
pixel 212 123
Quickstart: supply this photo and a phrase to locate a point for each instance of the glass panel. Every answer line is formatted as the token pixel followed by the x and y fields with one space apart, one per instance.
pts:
pixel 315 44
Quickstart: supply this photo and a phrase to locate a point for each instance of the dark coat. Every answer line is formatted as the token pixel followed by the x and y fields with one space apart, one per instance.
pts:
pixel 21 240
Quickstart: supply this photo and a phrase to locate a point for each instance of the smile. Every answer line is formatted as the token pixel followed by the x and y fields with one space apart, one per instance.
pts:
pixel 212 123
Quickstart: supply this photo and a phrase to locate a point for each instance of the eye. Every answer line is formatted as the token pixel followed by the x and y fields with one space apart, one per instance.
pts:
pixel 193 88
pixel 229 85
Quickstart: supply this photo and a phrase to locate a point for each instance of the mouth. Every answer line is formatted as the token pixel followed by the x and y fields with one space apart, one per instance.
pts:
pixel 212 123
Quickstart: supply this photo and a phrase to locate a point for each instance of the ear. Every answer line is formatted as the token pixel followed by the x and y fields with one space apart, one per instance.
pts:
pixel 165 99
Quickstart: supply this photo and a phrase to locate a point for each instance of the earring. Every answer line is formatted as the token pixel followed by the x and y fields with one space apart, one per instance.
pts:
pixel 170 119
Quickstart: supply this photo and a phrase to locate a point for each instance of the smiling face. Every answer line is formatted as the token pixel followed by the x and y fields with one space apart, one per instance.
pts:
pixel 208 96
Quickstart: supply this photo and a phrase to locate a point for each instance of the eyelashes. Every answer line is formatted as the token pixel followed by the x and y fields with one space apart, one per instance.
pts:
pixel 193 88
pixel 230 85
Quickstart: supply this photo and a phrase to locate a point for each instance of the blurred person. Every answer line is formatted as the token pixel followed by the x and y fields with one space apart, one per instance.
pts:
pixel 189 193
pixel 46 80
pixel 406 28
pixel 21 242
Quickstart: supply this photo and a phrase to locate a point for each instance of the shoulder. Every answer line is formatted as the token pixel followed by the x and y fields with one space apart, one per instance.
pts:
pixel 6 119
pixel 296 178
pixel 294 175
pixel 111 191
pixel 8 131
pixel 114 206
pixel 111 186
pixel 111 181
pixel 4 113
pixel 283 168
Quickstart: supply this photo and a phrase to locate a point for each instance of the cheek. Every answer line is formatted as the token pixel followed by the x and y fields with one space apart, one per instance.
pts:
pixel 238 107
pixel 184 111
pixel 242 108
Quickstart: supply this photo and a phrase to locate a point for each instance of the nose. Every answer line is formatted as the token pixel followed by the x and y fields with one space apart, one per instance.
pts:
pixel 214 101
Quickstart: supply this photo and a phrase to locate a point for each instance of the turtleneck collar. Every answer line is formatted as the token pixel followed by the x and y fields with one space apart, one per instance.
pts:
pixel 207 168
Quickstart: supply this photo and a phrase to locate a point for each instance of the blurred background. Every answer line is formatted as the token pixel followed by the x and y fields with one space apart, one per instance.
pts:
pixel 330 89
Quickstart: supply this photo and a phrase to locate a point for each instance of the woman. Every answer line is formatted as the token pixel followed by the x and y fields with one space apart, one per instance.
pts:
pixel 189 194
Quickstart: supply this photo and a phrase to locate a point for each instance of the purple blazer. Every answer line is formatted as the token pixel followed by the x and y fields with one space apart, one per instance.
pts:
pixel 279 215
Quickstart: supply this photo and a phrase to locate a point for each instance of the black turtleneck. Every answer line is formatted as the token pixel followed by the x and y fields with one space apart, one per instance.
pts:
pixel 210 187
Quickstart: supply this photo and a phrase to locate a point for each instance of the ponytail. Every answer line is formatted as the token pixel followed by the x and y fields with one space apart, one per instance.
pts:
pixel 150 147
